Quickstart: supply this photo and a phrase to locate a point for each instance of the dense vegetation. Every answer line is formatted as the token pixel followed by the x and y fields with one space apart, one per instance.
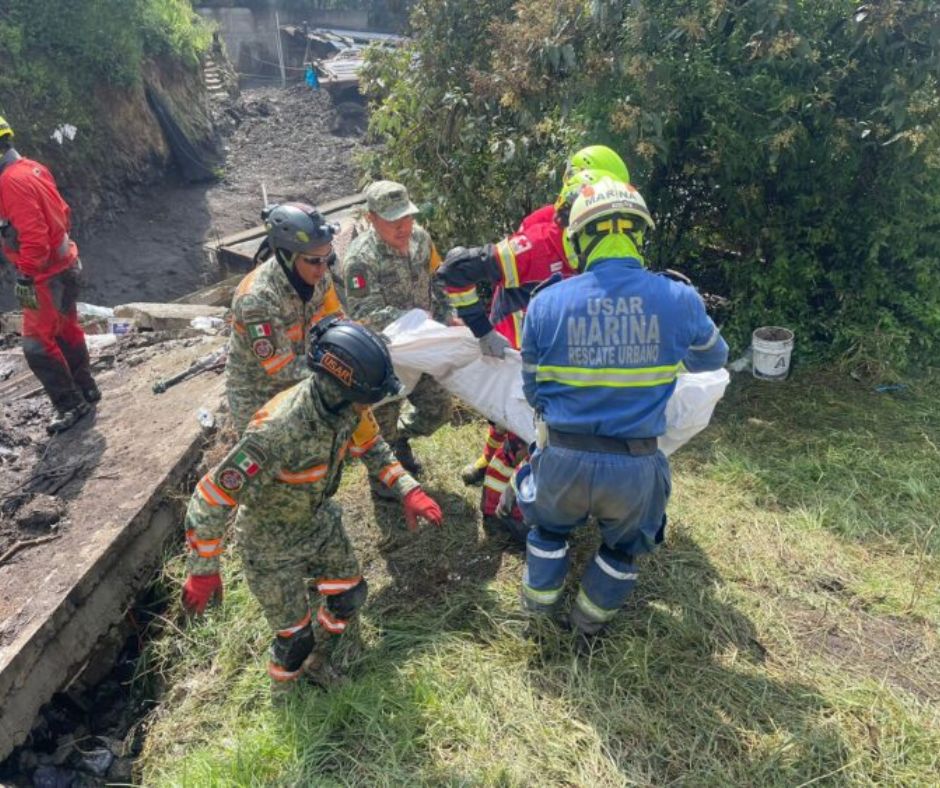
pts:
pixel 790 150
pixel 60 59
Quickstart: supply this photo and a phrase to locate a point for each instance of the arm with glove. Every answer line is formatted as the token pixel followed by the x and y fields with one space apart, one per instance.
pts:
pixel 215 497
pixel 384 467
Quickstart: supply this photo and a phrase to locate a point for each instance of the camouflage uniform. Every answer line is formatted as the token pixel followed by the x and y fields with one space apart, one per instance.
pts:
pixel 267 349
pixel 380 284
pixel 281 475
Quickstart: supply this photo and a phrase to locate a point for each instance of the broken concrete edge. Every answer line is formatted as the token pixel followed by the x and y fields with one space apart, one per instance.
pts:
pixel 56 651
pixel 166 317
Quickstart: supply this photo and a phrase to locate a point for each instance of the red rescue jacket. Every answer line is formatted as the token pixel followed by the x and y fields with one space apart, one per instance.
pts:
pixel 37 242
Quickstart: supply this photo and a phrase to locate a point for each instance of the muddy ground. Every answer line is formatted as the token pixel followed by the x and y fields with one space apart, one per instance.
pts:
pixel 292 140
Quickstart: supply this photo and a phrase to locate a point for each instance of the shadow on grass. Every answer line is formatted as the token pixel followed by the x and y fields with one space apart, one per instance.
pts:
pixel 865 463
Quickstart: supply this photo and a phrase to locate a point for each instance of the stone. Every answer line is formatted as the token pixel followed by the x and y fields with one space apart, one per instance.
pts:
pixel 166 317
pixel 41 512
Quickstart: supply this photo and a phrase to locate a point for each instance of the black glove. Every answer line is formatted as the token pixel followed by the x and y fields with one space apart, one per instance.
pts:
pixel 26 292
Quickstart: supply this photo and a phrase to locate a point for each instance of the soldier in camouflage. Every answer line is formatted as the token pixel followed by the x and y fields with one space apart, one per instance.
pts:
pixel 275 305
pixel 388 270
pixel 281 475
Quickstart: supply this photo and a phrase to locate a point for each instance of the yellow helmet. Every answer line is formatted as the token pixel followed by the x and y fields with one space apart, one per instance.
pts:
pixel 5 129
pixel 608 209
pixel 572 188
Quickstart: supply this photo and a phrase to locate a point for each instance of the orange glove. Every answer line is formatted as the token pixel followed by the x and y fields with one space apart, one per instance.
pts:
pixel 198 590
pixel 419 504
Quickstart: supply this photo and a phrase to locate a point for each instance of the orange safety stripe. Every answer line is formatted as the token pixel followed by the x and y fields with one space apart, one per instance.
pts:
pixel 205 548
pixel 391 473
pixel 278 673
pixel 239 328
pixel 212 494
pixel 295 332
pixel 358 451
pixel 275 364
pixel 435 261
pixel 306 476
pixel 331 624
pixel 245 283
pixel 269 407
pixel 286 633
pixel 337 585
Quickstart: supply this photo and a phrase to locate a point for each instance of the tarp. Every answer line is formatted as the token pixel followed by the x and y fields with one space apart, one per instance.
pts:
pixel 493 387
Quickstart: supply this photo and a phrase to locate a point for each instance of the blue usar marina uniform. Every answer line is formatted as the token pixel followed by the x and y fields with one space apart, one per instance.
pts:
pixel 601 353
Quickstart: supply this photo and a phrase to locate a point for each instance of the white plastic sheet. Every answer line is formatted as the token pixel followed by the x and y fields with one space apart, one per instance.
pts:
pixel 493 387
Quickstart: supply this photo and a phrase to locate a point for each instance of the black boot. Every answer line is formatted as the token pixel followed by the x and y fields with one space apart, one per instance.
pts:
pixel 68 418
pixel 91 393
pixel 406 457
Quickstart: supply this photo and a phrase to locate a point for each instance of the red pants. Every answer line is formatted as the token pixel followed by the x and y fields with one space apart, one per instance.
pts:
pixel 54 343
pixel 511 450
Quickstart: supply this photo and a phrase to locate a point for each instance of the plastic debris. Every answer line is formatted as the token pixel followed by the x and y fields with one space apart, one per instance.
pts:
pixel 206 418
pixel 211 325
pixel 743 363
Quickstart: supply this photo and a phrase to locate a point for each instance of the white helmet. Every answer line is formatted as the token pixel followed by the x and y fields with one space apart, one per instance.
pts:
pixel 608 199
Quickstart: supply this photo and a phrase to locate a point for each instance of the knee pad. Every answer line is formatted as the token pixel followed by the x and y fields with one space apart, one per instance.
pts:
pixel 290 652
pixel 345 605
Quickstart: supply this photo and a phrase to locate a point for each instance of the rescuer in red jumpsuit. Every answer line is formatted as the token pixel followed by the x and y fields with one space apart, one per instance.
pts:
pixel 35 239
pixel 515 267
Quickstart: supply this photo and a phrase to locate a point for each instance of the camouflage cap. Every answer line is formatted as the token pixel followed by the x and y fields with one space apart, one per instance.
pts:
pixel 389 200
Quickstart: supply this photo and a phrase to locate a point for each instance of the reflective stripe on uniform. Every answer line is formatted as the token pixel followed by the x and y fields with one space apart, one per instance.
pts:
pixel 295 332
pixel 462 298
pixel 275 364
pixel 507 262
pixel 306 476
pixel 710 343
pixel 204 548
pixel 278 673
pixel 330 586
pixel 609 377
pixel 543 597
pixel 358 451
pixel 538 552
pixel 212 494
pixel 391 473
pixel 288 631
pixel 500 468
pixel 517 329
pixel 591 610
pixel 330 623
pixel 612 572
pixel 494 483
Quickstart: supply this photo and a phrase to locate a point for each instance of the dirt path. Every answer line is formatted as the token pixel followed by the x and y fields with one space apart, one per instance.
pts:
pixel 289 139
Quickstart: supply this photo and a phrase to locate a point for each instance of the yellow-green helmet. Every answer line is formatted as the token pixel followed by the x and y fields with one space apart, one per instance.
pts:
pixel 572 188
pixel 607 208
pixel 5 129
pixel 598 157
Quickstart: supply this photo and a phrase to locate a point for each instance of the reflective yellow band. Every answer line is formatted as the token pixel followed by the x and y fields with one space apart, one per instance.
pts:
pixel 463 298
pixel 610 377
pixel 548 597
pixel 591 610
pixel 507 262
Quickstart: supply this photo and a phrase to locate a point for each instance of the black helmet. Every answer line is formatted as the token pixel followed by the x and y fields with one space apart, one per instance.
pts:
pixel 297 227
pixel 355 357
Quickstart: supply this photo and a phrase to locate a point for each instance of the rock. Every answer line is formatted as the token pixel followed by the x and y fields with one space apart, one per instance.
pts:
pixel 53 777
pixel 160 317
pixel 97 761
pixel 41 512
pixel 121 771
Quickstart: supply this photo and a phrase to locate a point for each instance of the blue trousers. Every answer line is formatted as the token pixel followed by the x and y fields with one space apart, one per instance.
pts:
pixel 558 492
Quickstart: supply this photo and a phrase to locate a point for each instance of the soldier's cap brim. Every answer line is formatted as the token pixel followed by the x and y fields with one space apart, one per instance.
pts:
pixel 400 212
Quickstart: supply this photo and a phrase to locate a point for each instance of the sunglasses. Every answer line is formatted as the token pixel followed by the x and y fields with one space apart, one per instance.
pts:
pixel 328 259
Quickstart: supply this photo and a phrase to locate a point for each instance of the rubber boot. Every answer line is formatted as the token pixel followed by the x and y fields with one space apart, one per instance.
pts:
pixel 473 473
pixel 66 419
pixel 406 457
pixel 92 393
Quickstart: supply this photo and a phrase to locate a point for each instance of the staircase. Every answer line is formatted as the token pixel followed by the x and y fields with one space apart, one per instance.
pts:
pixel 213 78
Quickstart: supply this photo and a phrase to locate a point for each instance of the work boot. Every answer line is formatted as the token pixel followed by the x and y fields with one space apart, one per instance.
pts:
pixel 320 671
pixel 515 531
pixel 473 473
pixel 92 393
pixel 66 419
pixel 406 457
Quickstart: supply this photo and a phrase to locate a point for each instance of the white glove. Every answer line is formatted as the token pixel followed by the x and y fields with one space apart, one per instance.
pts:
pixel 493 344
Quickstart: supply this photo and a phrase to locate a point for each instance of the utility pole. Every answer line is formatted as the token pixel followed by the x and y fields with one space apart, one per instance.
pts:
pixel 280 48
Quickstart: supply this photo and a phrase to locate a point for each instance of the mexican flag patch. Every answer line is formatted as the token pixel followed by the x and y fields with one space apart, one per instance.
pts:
pixel 245 461
pixel 259 330
pixel 357 281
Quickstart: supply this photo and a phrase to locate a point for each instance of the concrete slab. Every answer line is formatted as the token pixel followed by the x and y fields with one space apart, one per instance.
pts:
pixel 166 317
pixel 57 599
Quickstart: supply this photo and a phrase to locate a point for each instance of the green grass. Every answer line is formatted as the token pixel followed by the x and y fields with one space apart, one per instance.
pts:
pixel 787 633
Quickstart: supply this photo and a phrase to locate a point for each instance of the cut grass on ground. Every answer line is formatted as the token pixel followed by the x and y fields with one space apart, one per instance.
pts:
pixel 786 634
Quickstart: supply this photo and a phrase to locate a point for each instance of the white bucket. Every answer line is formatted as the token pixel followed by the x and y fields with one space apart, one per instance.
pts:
pixel 772 346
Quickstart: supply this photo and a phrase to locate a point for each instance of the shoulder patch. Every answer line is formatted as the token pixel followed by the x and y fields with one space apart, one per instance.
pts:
pixel 243 463
pixel 520 243
pixel 263 348
pixel 357 281
pixel 258 330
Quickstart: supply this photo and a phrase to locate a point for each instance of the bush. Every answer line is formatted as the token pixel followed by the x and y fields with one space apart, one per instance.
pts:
pixel 790 151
